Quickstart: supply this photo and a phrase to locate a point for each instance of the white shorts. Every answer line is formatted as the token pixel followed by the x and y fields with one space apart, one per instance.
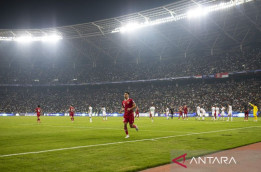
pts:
pixel 198 113
pixel 90 114
pixel 222 114
pixel 104 114
pixel 229 113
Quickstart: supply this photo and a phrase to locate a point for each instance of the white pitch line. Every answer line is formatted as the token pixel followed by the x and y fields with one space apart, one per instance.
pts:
pixel 104 128
pixel 114 143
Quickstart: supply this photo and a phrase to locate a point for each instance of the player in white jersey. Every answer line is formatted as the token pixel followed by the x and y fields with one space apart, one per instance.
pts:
pixel 217 112
pixel 104 113
pixel 229 114
pixel 202 114
pixel 198 112
pixel 90 113
pixel 152 112
pixel 167 113
pixel 213 109
pixel 222 112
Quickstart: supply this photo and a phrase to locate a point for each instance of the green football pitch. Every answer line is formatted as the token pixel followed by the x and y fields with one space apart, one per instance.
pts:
pixel 57 144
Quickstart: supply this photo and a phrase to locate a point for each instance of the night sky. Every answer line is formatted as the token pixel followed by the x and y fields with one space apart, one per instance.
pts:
pixel 22 14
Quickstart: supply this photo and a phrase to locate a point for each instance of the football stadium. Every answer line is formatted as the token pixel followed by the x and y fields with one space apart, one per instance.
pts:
pixel 131 86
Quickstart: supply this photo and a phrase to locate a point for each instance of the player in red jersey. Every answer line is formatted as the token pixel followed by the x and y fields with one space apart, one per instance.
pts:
pixel 246 110
pixel 38 113
pixel 128 105
pixel 71 111
pixel 180 112
pixel 137 113
pixel 185 109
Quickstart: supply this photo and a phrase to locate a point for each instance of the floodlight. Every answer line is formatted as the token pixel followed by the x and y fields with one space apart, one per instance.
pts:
pixel 130 27
pixel 23 39
pixel 29 38
pixel 51 38
pixel 6 38
pixel 198 12
pixel 192 13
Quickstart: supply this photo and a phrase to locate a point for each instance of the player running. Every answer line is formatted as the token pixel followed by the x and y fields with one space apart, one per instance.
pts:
pixel 222 112
pixel 171 112
pixel 152 112
pixel 246 111
pixel 202 114
pixel 185 109
pixel 137 113
pixel 229 114
pixel 217 113
pixel 38 113
pixel 128 105
pixel 167 113
pixel 213 113
pixel 255 109
pixel 104 115
pixel 71 111
pixel 198 112
pixel 180 112
pixel 90 113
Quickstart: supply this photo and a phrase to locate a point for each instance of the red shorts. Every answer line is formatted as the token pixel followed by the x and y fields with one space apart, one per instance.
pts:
pixel 72 114
pixel 38 115
pixel 129 119
pixel 180 113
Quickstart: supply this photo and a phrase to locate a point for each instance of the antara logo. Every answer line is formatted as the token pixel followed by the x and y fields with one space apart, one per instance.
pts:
pixel 184 159
pixel 213 160
pixel 205 160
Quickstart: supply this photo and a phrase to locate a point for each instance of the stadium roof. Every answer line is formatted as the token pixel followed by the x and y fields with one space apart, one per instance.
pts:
pixel 235 26
pixel 107 26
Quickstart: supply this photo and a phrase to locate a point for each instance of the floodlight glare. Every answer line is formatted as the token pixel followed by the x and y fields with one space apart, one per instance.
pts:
pixel 201 11
pixel 23 39
pixel 6 38
pixel 192 13
pixel 28 39
pixel 198 12
pixel 51 38
pixel 130 27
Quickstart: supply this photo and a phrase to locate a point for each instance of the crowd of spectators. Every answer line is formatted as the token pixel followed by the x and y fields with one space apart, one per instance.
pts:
pixel 67 73
pixel 163 94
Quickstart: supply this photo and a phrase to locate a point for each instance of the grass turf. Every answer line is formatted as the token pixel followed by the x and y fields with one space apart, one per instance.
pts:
pixel 23 134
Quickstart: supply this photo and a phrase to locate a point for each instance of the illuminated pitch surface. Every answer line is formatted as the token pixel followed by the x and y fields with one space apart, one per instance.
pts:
pixel 104 146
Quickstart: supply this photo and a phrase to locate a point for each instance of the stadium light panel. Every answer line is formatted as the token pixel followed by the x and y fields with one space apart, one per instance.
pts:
pixel 23 39
pixel 198 12
pixel 192 13
pixel 51 38
pixel 28 39
pixel 6 38
pixel 130 27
